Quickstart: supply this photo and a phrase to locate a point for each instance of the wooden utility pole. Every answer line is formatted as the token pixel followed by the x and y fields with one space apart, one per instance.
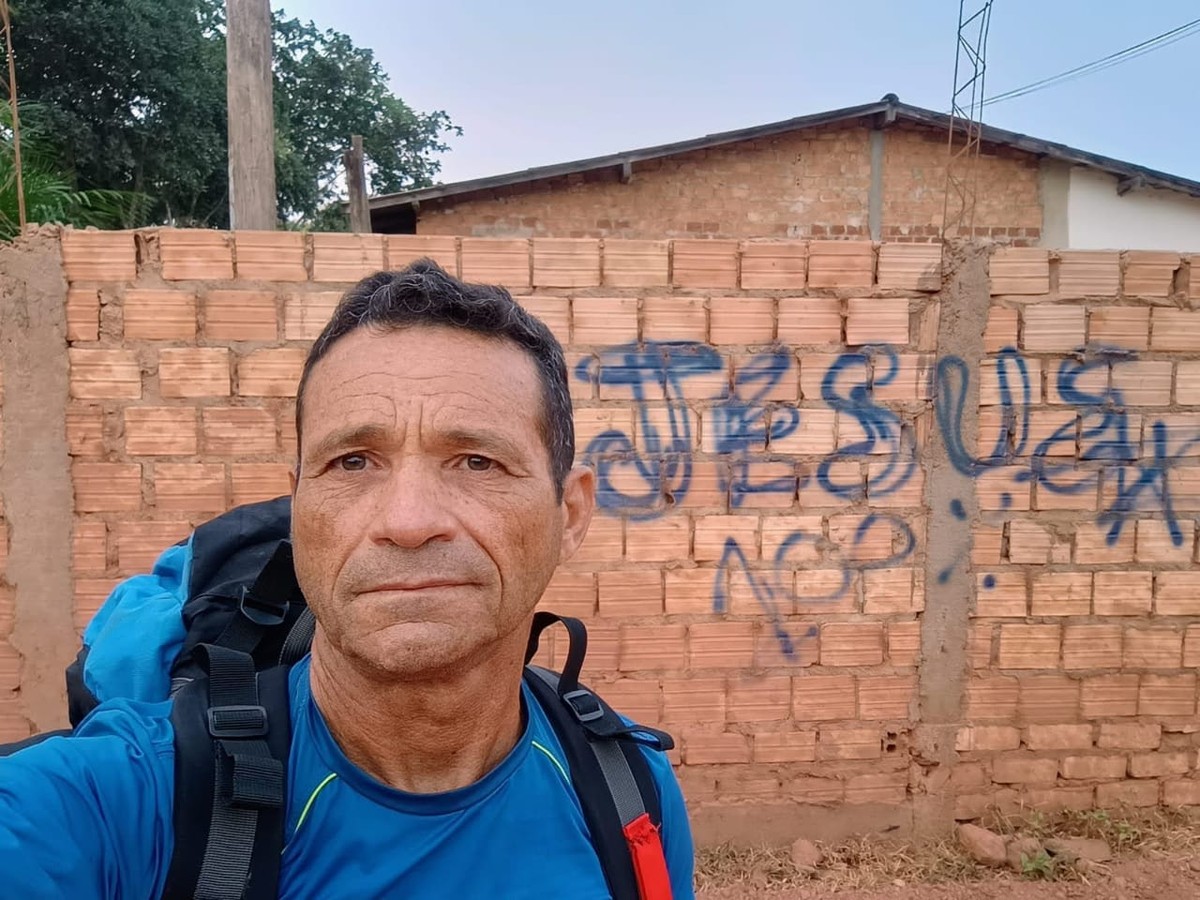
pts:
pixel 6 21
pixel 356 186
pixel 252 201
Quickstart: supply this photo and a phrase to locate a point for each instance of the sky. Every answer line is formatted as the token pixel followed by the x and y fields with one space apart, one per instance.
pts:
pixel 537 82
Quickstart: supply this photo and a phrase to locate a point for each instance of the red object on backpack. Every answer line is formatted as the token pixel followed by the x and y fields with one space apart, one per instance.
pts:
pixel 649 860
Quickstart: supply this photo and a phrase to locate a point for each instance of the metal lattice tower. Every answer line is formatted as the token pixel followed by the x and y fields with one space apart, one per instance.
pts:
pixel 966 115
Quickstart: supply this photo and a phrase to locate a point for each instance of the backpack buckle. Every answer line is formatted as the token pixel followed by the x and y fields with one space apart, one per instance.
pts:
pixel 262 612
pixel 237 721
pixel 584 704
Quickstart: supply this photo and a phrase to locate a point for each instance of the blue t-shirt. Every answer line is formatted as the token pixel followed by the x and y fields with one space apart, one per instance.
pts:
pixel 91 816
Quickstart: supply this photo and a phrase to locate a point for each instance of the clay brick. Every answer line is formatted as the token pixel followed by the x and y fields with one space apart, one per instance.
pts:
pixel 1052 328
pixel 139 544
pixel 83 314
pixel 910 267
pixel 1175 329
pixel 772 377
pixel 1159 765
pixel 554 312
pixel 815 791
pixel 99 255
pixel 1001 330
pixel 1152 648
pixel 1121 593
pixel 887 591
pixel 999 489
pixel 191 487
pixel 713 531
pixel 1089 273
pixel 604 321
pixel 631 593
pixel 1024 769
pixel 571 594
pixel 1177 594
pixel 1126 327
pixel 1127 793
pixel 193 372
pixel 815 434
pixel 85 431
pixel 848 743
pixel 1048 698
pixel 89 548
pixel 1149 273
pixel 1029 646
pixel 721 645
pixel 566 263
pixel 823 698
pixel 604 542
pixel 774 265
pixel 240 316
pixel 1158 543
pixel 883 787
pixel 1019 270
pixel 107 487
pixel 889 697
pixel 651 647
pixel 1089 768
pixel 270 255
pixel 979 646
pixel 1167 695
pixel 674 319
pixel 1187 383
pixel 1181 793
pixel 239 431
pixel 160 431
pixel 689 591
pixel 785 747
pixel 741 320
pixel 1143 382
pixel 883 493
pixel 195 254
pixel 1058 737
pixel 635 263
pixel 841 264
pixel 1129 736
pixel 1062 594
pixel 704 264
pixel 639 699
pixel 405 249
pixel 851 644
pixel 658 540
pixel 991 383
pixel 253 482
pixel 306 315
pixel 759 698
pixel 986 542
pixel 877 321
pixel 1092 646
pixel 707 748
pixel 90 594
pixel 273 372
pixel 1191 647
pixel 1000 594
pixel 1092 545
pixel 810 320
pixel 348 257
pixel 693 700
pixel 1106 696
pixel 1058 799
pixel 987 738
pixel 104 374
pixel 903 643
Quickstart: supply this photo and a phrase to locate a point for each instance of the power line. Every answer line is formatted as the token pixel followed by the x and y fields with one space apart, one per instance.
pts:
pixel 1113 59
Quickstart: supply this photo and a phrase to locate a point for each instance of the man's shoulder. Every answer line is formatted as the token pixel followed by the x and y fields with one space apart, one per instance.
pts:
pixel 116 730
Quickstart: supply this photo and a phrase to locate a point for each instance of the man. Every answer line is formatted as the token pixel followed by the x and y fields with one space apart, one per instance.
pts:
pixel 433 497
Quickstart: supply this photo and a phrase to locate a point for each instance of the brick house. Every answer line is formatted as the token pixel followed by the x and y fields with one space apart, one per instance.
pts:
pixel 875 171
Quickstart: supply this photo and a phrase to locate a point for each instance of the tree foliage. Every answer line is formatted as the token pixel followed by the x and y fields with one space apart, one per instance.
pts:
pixel 135 93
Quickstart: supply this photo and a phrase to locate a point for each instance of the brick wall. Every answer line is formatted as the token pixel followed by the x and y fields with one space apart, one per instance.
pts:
pixel 810 183
pixel 780 571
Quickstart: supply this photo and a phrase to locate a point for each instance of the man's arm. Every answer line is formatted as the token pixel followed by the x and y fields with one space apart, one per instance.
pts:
pixel 676 829
pixel 89 816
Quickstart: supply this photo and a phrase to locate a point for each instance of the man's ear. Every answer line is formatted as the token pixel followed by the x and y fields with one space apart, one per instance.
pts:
pixel 578 504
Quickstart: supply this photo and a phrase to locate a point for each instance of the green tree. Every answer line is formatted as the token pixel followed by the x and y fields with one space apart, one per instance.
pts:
pixel 135 93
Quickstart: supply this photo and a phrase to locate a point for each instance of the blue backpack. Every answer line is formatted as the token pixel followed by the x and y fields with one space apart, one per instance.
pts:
pixel 217 626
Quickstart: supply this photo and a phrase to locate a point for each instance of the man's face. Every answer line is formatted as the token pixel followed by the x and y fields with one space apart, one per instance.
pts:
pixel 425 520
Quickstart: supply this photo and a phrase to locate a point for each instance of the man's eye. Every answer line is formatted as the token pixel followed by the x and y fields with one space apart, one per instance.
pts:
pixel 351 462
pixel 480 463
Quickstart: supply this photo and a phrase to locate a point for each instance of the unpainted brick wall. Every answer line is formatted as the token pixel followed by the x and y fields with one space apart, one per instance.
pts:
pixel 759 414
pixel 810 183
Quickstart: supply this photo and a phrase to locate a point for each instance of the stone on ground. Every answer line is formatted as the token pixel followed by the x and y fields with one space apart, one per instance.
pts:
pixel 983 846
pixel 806 854
pixel 1071 849
pixel 1026 847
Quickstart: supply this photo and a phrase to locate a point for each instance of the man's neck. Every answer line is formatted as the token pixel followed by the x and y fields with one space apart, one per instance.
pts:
pixel 421 737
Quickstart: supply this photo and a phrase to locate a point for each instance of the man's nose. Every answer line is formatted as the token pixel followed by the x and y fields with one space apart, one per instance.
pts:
pixel 412 509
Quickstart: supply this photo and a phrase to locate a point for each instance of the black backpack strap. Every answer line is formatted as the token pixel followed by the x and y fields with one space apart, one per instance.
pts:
pixel 264 604
pixel 610 774
pixel 232 735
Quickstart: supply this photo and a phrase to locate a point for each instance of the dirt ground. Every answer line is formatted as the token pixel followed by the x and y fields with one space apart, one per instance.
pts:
pixel 1135 879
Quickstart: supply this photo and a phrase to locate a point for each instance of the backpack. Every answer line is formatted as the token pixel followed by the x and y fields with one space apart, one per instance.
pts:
pixel 231 622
